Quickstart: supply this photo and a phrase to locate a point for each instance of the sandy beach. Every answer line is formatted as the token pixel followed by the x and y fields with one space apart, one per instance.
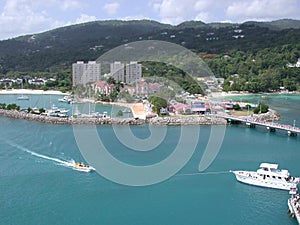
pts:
pixel 245 93
pixel 32 92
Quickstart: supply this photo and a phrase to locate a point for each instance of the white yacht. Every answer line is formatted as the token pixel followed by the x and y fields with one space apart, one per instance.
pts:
pixel 68 99
pixel 268 175
pixel 65 99
pixel 56 112
pixel 23 97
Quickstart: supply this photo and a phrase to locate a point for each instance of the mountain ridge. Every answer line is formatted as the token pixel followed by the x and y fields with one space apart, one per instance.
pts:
pixel 58 48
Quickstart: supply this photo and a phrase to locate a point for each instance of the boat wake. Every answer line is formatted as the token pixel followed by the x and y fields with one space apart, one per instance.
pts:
pixel 206 173
pixel 58 161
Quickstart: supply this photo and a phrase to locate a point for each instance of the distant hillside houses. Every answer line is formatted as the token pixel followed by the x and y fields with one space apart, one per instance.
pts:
pixel 10 82
pixel 37 81
pixel 19 81
pixel 297 64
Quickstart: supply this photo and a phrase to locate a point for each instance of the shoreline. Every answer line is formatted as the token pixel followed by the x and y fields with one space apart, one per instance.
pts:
pixel 31 92
pixel 160 121
pixel 218 95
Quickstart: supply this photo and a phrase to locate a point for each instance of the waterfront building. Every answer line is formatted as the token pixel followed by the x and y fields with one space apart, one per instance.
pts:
pixel 102 87
pixel 133 72
pixel 198 107
pixel 146 88
pixel 117 71
pixel 83 73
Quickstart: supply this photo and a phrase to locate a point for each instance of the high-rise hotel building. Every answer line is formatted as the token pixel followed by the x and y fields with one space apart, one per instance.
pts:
pixel 117 71
pixel 133 72
pixel 83 73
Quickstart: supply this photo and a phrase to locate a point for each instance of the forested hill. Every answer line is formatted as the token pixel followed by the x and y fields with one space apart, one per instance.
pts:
pixel 57 49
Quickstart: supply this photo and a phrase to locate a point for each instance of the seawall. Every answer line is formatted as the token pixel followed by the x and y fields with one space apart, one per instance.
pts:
pixel 184 120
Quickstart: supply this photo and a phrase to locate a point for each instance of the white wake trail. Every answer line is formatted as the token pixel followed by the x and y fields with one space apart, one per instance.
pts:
pixel 205 173
pixel 61 162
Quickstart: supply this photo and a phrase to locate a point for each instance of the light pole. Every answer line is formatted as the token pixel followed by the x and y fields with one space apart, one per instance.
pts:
pixel 294 124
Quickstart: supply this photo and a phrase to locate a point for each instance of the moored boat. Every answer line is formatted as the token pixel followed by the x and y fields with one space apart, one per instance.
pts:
pixel 268 175
pixel 56 112
pixel 23 97
pixel 65 99
pixel 294 207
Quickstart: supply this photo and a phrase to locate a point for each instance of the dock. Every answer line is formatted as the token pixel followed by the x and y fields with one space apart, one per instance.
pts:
pixel 294 207
pixel 271 126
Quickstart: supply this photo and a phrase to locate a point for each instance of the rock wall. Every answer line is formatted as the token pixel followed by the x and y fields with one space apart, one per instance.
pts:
pixel 187 120
pixel 184 120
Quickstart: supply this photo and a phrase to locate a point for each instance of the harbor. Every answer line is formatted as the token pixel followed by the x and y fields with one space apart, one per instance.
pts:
pixel 28 179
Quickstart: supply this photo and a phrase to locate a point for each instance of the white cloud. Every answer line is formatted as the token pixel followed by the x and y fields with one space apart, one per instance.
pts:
pixel 22 16
pixel 203 4
pixel 261 9
pixel 111 8
pixel 204 17
pixel 177 11
pixel 70 4
pixel 136 17
pixel 85 18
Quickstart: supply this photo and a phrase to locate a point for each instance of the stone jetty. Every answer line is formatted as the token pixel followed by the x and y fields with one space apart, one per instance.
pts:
pixel 68 120
pixel 184 120
pixel 188 120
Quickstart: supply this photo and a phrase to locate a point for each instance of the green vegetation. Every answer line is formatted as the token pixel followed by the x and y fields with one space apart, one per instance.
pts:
pixel 119 113
pixel 261 108
pixel 169 72
pixel 236 107
pixel 256 60
pixel 9 106
pixel 260 71
pixel 158 103
pixel 59 80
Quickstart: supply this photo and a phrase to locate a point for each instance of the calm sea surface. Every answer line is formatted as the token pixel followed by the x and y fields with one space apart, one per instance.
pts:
pixel 37 188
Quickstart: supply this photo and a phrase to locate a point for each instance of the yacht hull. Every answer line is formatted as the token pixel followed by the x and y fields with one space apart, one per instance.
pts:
pixel 252 178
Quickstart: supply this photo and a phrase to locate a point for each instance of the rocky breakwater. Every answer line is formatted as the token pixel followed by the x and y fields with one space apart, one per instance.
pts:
pixel 187 120
pixel 69 120
pixel 268 116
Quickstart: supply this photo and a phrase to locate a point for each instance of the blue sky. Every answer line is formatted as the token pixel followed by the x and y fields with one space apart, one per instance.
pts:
pixel 19 17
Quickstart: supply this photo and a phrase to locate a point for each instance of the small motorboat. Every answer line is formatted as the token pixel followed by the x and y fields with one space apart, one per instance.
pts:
pixel 23 97
pixel 82 167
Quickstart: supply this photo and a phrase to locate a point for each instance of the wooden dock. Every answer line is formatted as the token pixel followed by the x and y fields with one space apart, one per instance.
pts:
pixel 271 126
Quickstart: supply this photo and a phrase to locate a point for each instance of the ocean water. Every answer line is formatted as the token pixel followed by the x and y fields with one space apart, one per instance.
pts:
pixel 36 187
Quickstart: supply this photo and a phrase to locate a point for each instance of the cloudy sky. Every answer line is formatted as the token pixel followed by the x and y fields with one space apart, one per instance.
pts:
pixel 19 17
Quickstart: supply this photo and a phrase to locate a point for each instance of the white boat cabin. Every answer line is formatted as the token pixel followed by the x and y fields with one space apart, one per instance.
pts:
pixel 269 170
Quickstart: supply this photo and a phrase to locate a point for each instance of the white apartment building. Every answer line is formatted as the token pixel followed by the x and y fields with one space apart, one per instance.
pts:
pixel 83 73
pixel 133 72
pixel 117 71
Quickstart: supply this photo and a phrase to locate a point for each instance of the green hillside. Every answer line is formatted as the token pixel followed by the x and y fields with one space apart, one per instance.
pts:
pixel 270 44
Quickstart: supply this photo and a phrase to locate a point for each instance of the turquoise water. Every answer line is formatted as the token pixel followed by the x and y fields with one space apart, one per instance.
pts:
pixel 41 190
pixel 47 101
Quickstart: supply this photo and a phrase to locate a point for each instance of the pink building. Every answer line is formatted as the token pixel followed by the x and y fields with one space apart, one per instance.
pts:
pixel 131 90
pixel 146 88
pixel 178 108
pixel 102 87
